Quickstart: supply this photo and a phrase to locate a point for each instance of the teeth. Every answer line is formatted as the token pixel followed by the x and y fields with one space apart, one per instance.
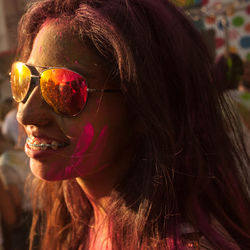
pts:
pixel 54 145
pixel 43 146
pixel 36 144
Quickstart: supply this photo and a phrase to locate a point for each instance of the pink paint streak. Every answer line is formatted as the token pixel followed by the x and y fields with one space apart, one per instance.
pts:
pixel 83 162
pixel 83 144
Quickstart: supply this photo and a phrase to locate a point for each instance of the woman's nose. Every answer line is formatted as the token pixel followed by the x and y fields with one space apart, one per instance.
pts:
pixel 34 111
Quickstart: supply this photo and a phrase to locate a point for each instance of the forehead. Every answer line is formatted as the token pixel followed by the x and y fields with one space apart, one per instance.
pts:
pixel 56 45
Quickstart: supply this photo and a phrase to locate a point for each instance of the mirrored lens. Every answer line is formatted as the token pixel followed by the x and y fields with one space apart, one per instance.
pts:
pixel 20 81
pixel 64 90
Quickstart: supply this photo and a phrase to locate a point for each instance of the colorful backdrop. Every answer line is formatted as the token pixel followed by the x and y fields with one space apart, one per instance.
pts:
pixel 223 15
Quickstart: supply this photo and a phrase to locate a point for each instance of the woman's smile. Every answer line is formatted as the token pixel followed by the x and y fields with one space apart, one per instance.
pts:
pixel 37 143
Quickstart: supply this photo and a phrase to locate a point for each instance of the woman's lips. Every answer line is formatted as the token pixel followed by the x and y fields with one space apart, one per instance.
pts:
pixel 36 143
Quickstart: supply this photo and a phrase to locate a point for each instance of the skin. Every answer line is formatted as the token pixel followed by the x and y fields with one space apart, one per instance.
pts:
pixel 99 138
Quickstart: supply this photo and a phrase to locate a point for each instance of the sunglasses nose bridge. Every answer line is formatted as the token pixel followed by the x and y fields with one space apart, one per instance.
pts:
pixel 34 81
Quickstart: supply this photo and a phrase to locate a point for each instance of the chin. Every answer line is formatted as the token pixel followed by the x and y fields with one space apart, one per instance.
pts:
pixel 57 171
pixel 63 169
pixel 49 172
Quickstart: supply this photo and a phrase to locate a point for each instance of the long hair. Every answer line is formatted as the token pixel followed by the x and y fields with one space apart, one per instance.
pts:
pixel 185 169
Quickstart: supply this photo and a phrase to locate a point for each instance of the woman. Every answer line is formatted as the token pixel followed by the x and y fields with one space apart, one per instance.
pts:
pixel 126 135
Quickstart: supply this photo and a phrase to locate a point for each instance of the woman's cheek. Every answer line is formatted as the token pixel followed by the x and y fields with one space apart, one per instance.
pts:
pixel 88 152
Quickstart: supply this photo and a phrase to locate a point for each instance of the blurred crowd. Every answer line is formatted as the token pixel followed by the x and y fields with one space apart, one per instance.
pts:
pixel 15 209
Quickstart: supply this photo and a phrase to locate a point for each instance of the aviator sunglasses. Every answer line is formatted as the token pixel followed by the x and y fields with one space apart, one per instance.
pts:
pixel 64 90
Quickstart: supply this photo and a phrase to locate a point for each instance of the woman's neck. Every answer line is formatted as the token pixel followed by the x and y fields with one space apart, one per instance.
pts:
pixel 99 238
pixel 98 188
pixel 99 185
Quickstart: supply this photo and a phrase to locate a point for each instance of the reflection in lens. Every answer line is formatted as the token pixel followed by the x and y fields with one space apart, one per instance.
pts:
pixel 64 90
pixel 20 81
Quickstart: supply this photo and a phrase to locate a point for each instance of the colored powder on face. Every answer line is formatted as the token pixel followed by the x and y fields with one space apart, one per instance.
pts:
pixel 83 144
pixel 69 171
pixel 102 139
pixel 84 141
pixel 83 162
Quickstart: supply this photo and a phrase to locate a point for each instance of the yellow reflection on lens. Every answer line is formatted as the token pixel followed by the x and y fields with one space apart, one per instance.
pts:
pixel 20 80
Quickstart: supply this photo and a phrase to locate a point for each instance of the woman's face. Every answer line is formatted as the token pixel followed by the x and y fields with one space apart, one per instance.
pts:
pixel 94 140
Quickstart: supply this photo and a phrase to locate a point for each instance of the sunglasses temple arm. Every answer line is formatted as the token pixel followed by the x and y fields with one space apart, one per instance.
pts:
pixel 103 90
